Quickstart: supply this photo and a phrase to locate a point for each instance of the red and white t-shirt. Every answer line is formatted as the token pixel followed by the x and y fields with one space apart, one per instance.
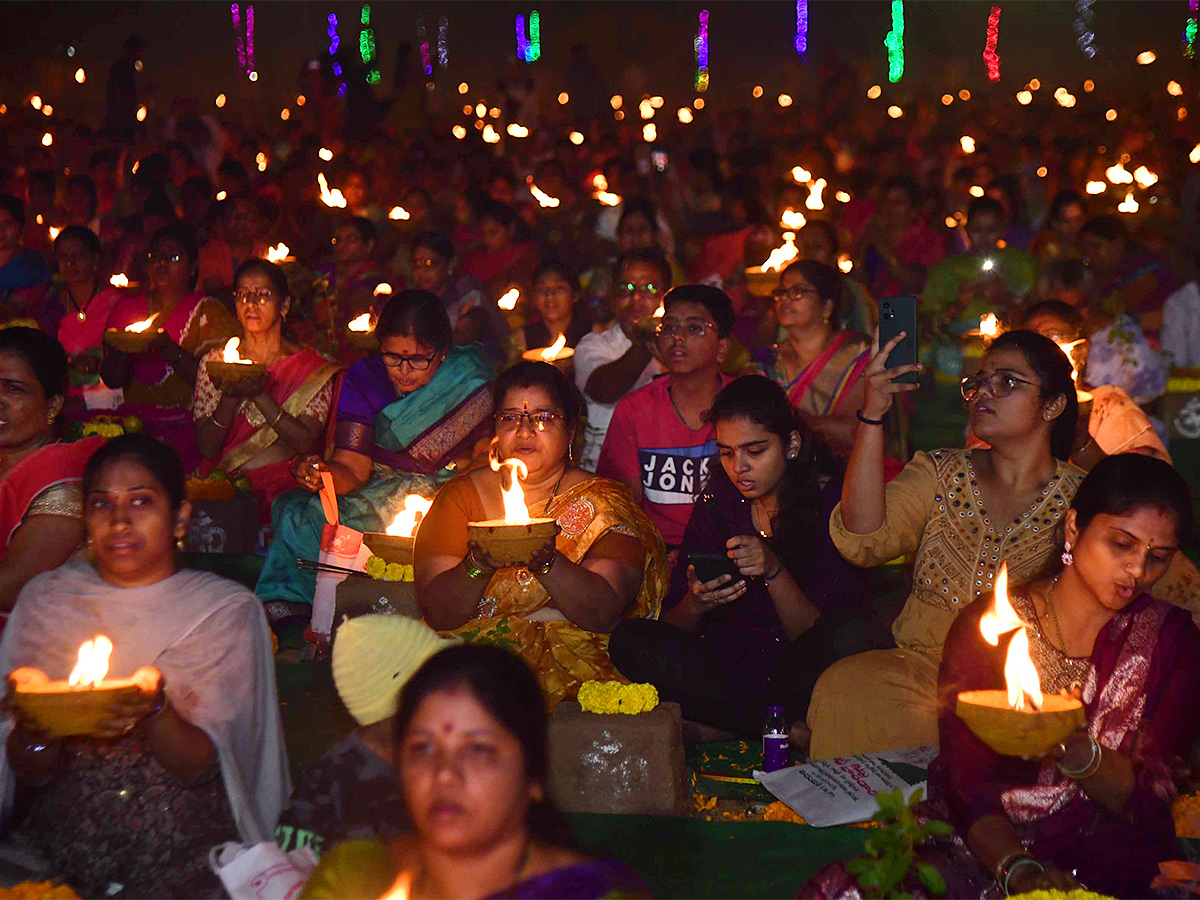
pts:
pixel 647 442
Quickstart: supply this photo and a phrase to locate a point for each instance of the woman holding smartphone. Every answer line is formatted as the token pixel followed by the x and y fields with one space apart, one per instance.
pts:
pixel 760 601
pixel 961 514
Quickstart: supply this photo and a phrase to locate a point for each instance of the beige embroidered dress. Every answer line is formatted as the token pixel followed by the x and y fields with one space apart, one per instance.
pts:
pixel 887 699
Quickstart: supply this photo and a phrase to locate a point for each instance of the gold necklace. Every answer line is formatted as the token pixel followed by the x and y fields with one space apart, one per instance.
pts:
pixel 1062 641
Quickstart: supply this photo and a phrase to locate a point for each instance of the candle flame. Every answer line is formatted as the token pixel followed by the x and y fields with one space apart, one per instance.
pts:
pixel 119 280
pixel 383 289
pixel 508 301
pixel 781 255
pixel 989 325
pixel 1020 675
pixel 231 354
pixel 408 519
pixel 330 198
pixel 278 253
pixel 544 200
pixel 815 190
pixel 144 325
pixel 92 666
pixel 360 323
pixel 515 511
pixel 400 888
pixel 551 353
pixel 792 219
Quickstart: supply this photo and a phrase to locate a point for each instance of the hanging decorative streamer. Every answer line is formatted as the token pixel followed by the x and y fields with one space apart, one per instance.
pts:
pixel 802 27
pixel 250 66
pixel 1190 29
pixel 990 56
pixel 895 43
pixel 423 43
pixel 1083 27
pixel 702 52
pixel 442 44
pixel 235 14
pixel 534 50
pixel 522 41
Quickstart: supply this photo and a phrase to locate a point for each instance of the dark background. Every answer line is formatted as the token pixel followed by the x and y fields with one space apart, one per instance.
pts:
pixel 192 46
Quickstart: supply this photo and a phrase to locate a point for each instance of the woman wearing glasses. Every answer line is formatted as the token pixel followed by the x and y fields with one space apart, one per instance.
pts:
pixel 257 429
pixel 158 384
pixel 606 564
pixel 407 419
pixel 961 514
pixel 819 364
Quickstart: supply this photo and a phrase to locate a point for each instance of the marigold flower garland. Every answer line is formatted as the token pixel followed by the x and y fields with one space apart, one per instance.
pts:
pixel 608 697
pixel 382 570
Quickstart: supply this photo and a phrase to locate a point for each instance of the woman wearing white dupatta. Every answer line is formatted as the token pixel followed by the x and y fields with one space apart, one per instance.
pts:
pixel 139 802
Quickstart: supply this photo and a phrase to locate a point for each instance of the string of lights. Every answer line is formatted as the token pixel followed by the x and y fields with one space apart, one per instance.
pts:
pixel 895 43
pixel 701 44
pixel 990 57
pixel 802 27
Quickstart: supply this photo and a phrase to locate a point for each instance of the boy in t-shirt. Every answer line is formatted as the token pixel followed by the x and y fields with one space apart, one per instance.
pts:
pixel 658 442
pixel 611 363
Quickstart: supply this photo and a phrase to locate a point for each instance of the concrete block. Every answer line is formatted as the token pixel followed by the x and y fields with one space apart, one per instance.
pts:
pixel 359 596
pixel 618 764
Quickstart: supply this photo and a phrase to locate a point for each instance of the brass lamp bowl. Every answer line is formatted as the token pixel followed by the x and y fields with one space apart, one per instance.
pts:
pixel 512 545
pixel 393 548
pixel 564 361
pixel 63 711
pixel 230 376
pixel 759 283
pixel 1015 732
pixel 131 341
pixel 363 340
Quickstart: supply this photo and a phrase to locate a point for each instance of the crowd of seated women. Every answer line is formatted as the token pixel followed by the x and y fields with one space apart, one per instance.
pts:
pixel 725 464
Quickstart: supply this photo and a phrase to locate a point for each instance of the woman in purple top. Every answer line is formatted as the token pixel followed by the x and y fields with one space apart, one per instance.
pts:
pixel 787 606
pixel 1096 810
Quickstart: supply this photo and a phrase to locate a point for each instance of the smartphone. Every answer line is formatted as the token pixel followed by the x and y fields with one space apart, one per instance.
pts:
pixel 711 566
pixel 897 314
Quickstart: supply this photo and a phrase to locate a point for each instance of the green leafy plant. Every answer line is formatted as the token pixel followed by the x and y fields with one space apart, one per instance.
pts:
pixel 892 849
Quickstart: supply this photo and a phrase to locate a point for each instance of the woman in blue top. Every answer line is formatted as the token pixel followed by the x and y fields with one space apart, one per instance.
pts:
pixel 407 419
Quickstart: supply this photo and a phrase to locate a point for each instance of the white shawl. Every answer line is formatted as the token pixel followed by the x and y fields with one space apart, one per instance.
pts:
pixel 207 635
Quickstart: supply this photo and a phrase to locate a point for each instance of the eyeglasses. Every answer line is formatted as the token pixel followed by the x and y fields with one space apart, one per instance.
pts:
pixel 253 298
pixel 629 288
pixel 788 295
pixel 692 328
pixel 416 363
pixel 510 420
pixel 164 258
pixel 1001 383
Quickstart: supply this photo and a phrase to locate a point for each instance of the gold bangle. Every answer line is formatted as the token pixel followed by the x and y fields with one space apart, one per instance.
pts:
pixel 220 425
pixel 278 417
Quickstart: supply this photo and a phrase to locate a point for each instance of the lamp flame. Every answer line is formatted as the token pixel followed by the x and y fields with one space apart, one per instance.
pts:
pixel 231 354
pixel 330 198
pixel 92 666
pixel 815 190
pixel 606 197
pixel 544 200
pixel 54 232
pixel 801 175
pixel 400 889
pixel 1020 675
pixel 408 519
pixel 398 214
pixel 278 253
pixel 383 289
pixel 989 325
pixel 1067 347
pixel 1128 205
pixel 792 219
pixel 360 323
pixel 119 280
pixel 515 511
pixel 139 327
pixel 781 255
pixel 508 301
pixel 551 353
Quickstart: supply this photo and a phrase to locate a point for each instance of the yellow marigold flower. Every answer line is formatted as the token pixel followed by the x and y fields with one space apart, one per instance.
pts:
pixel 608 697
pixel 376 566
pixel 398 572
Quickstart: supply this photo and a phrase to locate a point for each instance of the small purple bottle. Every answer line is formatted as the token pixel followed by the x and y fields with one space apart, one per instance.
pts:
pixel 775 741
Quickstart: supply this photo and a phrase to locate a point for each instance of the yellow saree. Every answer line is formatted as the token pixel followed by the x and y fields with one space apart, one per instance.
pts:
pixel 561 654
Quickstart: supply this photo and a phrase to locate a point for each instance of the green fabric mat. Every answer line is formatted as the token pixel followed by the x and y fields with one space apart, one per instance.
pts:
pixel 693 858
pixel 726 769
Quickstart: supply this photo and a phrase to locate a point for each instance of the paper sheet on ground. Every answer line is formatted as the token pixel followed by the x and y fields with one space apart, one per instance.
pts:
pixel 840 791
